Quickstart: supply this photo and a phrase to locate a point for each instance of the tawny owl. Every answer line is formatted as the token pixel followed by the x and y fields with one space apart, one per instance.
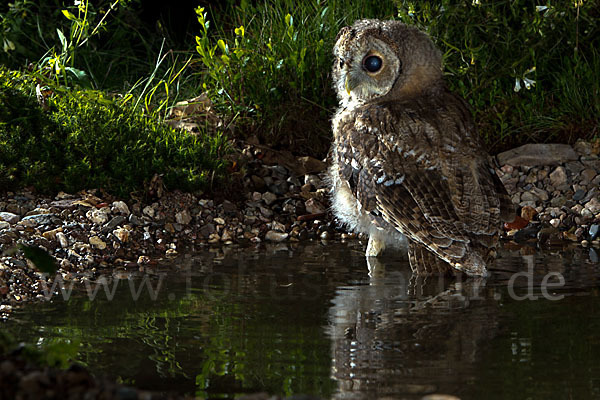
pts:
pixel 407 162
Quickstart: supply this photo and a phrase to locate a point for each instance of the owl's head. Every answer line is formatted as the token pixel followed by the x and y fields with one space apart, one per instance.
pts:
pixel 384 59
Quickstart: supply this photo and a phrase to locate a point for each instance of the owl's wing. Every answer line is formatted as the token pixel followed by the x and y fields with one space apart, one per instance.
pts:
pixel 423 177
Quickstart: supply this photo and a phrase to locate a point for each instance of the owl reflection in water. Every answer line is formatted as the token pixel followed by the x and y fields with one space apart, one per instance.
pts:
pixel 408 167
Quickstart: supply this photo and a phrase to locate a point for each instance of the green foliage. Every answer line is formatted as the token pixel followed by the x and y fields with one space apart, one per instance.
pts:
pixel 43 261
pixel 267 65
pixel 88 140
pixel 530 72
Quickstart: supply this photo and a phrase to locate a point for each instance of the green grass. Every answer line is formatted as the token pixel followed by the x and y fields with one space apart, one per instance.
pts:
pixel 493 49
pixel 89 140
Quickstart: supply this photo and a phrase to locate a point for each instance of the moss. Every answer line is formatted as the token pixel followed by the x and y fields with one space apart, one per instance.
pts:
pixel 88 140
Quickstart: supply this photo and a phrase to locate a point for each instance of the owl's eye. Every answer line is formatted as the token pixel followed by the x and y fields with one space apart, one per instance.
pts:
pixel 372 63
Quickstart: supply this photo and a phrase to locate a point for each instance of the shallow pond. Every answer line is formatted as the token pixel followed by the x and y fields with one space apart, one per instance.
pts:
pixel 311 319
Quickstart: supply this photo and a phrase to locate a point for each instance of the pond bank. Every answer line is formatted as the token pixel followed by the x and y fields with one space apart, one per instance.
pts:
pixel 281 198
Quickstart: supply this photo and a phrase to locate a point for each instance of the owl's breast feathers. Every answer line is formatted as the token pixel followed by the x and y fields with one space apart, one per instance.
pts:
pixel 420 166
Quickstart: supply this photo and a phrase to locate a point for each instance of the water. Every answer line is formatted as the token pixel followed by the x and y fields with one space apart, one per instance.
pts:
pixel 310 319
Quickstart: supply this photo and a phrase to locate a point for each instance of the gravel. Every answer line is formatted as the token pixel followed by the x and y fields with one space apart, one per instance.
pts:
pixel 280 198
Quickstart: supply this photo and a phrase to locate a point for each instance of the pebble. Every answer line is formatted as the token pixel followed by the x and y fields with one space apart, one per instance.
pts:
pixel 122 234
pixel 97 216
pixel 593 232
pixel 9 217
pixel 275 236
pixel 97 242
pixel 183 217
pixel 120 207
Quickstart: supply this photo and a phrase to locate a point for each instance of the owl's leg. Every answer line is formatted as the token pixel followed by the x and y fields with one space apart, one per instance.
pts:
pixel 376 244
pixel 424 262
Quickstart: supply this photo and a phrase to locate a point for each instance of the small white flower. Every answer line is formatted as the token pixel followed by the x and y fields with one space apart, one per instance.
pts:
pixel 8 45
pixel 541 8
pixel 517 85
pixel 476 2
pixel 529 83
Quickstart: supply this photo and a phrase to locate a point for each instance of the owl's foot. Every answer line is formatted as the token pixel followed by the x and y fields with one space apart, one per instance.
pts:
pixel 375 246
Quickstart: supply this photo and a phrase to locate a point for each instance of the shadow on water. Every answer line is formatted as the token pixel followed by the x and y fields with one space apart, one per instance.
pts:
pixel 311 319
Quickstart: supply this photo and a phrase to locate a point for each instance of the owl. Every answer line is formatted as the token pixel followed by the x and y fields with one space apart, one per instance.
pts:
pixel 408 167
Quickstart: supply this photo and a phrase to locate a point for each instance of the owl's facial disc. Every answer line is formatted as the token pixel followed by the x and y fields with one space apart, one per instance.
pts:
pixel 371 71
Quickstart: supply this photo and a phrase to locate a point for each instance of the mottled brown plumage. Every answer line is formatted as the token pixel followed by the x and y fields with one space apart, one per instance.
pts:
pixel 406 157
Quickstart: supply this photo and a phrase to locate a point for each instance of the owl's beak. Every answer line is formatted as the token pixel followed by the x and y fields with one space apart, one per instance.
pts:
pixel 347 85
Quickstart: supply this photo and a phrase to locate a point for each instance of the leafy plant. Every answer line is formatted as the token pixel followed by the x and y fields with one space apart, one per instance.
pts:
pixel 527 70
pixel 88 139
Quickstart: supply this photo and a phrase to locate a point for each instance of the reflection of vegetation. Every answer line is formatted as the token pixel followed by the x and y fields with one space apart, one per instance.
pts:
pixel 550 350
pixel 204 342
pixel 56 352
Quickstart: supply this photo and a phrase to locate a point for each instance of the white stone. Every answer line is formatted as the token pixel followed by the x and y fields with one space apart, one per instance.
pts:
pixel 97 216
pixel 274 236
pixel 9 217
pixel 62 239
pixel 120 207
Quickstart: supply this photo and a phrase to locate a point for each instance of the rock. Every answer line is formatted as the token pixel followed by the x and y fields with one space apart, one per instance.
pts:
pixel 558 177
pixel 538 154
pixel 555 222
pixel 51 234
pixel 207 230
pixel 582 147
pixel 171 253
pixel 593 205
pixel 528 196
pixel 528 213
pixel 587 175
pixel 134 220
pixel 266 212
pixel 269 198
pixel 98 217
pixel 4 225
pixel 574 167
pixel 183 217
pixel 593 232
pixel 313 206
pixel 39 219
pixel 226 235
pixel 149 211
pixel 310 165
pixel 113 223
pixel 219 221
pixel 62 240
pixel 579 194
pixel 274 236
pixel 122 234
pixel 97 243
pixel 9 217
pixel 120 207
pixel 277 226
